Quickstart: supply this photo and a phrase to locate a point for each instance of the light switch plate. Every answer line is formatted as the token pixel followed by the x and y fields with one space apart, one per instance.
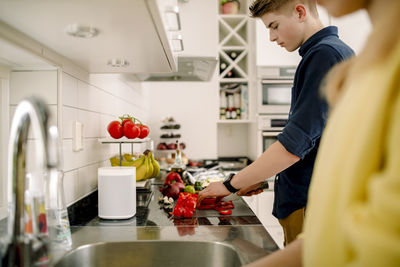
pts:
pixel 77 139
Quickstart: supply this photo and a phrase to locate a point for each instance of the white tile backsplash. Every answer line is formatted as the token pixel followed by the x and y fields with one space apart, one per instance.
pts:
pixel 69 116
pixel 42 84
pixel 94 103
pixel 93 100
pixel 69 90
pixel 71 187
pixel 87 179
pixel 91 122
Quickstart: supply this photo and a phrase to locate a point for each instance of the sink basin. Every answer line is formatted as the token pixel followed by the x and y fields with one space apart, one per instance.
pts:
pixel 152 253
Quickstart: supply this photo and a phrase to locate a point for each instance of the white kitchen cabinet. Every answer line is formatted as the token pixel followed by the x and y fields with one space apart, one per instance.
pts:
pixel 262 205
pixel 132 31
pixel 199 28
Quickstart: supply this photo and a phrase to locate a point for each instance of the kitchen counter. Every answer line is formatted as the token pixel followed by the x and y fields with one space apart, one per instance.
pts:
pixel 241 231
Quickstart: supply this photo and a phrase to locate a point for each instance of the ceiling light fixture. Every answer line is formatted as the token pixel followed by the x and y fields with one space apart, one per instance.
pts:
pixel 118 63
pixel 81 31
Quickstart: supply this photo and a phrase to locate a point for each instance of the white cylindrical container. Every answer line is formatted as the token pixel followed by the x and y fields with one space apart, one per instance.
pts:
pixel 117 192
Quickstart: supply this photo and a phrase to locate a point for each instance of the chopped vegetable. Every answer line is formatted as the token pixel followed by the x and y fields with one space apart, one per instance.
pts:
pixel 225 212
pixel 186 205
pixel 190 189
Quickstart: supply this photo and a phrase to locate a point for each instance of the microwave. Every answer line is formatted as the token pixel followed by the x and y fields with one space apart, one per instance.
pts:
pixel 274 89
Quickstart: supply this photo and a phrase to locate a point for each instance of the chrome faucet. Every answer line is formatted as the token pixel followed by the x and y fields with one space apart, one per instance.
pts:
pixel 24 251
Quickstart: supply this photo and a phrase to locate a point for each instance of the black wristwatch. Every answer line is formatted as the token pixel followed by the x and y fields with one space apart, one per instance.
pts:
pixel 228 185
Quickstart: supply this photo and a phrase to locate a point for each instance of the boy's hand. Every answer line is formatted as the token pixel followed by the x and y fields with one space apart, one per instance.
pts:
pixel 215 189
pixel 251 190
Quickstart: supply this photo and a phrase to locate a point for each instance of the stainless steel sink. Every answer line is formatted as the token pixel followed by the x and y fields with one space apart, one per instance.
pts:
pixel 152 253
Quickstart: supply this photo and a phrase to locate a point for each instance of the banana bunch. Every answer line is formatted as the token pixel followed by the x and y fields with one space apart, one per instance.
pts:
pixel 146 166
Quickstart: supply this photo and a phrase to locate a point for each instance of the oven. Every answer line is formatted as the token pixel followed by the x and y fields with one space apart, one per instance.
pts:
pixel 269 126
pixel 274 89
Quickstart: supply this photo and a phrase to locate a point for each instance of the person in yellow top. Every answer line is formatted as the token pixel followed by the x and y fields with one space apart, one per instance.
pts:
pixel 353 216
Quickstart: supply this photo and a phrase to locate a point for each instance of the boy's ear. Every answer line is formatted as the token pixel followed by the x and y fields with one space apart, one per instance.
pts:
pixel 301 12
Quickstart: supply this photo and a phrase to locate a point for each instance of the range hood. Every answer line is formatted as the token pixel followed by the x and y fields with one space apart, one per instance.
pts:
pixel 189 69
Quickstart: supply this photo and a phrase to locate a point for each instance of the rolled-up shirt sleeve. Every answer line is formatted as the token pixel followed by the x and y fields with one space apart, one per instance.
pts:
pixel 308 109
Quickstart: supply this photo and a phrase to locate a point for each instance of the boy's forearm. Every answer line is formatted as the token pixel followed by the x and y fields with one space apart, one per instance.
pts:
pixel 274 160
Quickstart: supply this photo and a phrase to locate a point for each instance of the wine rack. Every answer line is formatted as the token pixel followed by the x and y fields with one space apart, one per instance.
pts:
pixel 233 51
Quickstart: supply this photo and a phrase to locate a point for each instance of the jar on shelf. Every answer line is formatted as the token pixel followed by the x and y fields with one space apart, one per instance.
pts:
pixel 230 6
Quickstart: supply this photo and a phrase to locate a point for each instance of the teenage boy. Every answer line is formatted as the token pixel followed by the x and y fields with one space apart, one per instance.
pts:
pixel 292 24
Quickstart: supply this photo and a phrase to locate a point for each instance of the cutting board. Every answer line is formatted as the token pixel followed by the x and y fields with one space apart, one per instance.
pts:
pixel 241 209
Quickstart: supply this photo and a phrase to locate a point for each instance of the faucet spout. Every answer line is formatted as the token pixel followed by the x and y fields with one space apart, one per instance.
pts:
pixel 29 112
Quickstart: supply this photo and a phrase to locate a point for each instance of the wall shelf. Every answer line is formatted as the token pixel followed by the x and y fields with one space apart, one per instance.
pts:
pixel 123 140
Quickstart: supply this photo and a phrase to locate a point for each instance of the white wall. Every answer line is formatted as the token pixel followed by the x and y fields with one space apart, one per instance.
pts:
pixel 95 102
pixel 233 140
pixel 194 105
pixel 354 29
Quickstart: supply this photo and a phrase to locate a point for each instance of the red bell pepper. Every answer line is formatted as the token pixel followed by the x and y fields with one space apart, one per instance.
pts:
pixel 173 177
pixel 186 205
pixel 216 204
pixel 208 201
pixel 225 207
pixel 225 212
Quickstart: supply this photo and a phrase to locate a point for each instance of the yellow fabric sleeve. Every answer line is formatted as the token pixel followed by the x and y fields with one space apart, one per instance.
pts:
pixel 353 214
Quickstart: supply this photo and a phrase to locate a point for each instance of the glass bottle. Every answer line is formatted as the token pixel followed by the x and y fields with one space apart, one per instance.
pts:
pixel 35 220
pixel 57 213
pixel 178 165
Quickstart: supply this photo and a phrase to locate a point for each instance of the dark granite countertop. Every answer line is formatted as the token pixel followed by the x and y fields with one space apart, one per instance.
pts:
pixel 150 213
pixel 241 231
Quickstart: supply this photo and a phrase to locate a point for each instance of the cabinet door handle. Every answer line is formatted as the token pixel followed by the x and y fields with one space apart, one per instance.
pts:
pixel 178 37
pixel 174 10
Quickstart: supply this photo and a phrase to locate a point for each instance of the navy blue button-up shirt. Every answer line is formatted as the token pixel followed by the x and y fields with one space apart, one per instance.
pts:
pixel 307 117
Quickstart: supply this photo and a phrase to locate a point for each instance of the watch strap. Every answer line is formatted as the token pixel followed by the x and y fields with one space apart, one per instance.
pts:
pixel 228 185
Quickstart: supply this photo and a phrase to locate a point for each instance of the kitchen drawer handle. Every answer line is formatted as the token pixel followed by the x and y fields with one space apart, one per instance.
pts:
pixel 174 10
pixel 178 37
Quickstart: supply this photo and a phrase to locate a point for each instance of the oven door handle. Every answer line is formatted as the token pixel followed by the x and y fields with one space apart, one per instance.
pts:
pixel 271 81
pixel 270 134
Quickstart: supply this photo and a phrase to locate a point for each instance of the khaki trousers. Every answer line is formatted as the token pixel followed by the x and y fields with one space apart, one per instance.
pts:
pixel 292 225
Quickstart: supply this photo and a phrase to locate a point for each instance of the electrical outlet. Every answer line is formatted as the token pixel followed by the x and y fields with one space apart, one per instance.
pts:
pixel 77 139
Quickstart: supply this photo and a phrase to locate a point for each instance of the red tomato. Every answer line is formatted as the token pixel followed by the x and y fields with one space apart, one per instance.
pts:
pixel 131 130
pixel 125 121
pixel 144 131
pixel 115 129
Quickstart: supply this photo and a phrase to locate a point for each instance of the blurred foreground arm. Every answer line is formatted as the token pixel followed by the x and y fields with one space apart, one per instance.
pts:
pixel 290 256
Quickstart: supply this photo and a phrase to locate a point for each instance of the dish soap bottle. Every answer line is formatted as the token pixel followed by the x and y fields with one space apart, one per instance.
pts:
pixel 57 213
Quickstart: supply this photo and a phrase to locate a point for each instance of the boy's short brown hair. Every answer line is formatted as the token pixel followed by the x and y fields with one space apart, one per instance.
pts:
pixel 260 7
